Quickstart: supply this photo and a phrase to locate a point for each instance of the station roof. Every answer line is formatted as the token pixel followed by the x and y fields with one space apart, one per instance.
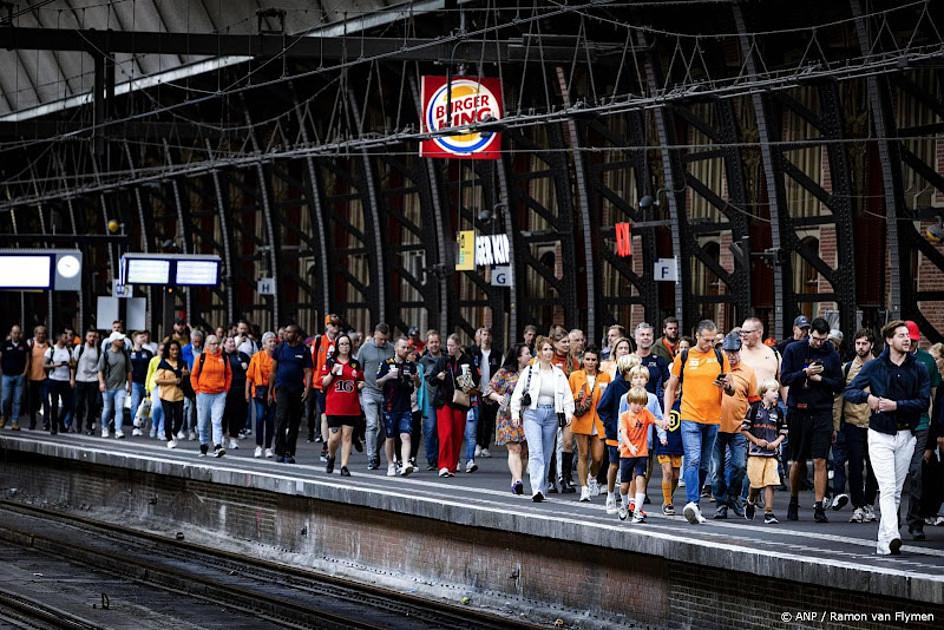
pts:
pixel 37 82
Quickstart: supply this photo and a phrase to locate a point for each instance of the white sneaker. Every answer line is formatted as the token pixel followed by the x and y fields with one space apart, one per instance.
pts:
pixel 181 435
pixel 119 435
pixel 471 466
pixel 269 453
pixel 638 517
pixel 870 516
pixel 407 470
pixel 584 494
pixel 104 433
pixel 192 436
pixel 443 472
pixel 622 512
pixel 681 483
pixel 693 514
pixel 858 516
pixel 478 450
pixel 593 487
pixel 484 454
pixel 171 443
pixel 258 452
pixel 391 470
pixel 233 444
pixel 610 504
pixel 136 432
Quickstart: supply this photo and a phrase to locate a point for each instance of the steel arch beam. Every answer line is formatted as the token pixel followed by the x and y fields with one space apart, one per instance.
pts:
pixel 776 198
pixel 880 110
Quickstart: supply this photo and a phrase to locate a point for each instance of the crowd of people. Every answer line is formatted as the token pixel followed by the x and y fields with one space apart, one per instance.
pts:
pixel 727 417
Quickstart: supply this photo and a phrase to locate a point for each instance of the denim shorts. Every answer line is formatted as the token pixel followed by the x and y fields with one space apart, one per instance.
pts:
pixel 396 422
pixel 632 467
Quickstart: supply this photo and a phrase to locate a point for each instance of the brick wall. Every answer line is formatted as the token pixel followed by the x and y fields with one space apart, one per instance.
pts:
pixel 542 579
pixel 930 278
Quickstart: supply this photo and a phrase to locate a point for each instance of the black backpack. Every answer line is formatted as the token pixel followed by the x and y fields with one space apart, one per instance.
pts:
pixel 685 360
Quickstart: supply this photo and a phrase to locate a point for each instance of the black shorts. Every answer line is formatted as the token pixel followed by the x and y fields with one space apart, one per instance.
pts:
pixel 809 434
pixel 336 422
pixel 632 467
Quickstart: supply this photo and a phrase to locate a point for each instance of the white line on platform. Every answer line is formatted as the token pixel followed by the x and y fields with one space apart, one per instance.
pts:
pixel 671 536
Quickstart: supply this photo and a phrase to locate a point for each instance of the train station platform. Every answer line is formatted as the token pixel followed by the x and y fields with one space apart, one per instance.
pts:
pixel 470 539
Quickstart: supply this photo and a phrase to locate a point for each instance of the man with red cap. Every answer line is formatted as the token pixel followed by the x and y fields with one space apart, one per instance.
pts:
pixel 913 483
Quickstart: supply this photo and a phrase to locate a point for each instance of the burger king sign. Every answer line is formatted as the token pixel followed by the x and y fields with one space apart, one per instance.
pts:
pixel 470 101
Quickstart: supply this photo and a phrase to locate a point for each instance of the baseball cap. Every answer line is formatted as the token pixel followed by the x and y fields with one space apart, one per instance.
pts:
pixel 332 320
pixel 413 331
pixel 913 331
pixel 116 336
pixel 801 322
pixel 836 334
pixel 731 343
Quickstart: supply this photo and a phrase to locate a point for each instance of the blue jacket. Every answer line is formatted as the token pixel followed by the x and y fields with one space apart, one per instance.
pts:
pixel 912 391
pixel 608 407
pixel 819 396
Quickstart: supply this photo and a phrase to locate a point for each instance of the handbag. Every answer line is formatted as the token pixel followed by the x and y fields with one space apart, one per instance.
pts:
pixel 584 404
pixel 459 397
pixel 526 398
pixel 561 419
pixel 261 393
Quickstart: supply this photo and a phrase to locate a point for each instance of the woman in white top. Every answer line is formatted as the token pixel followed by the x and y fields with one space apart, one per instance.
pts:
pixel 541 394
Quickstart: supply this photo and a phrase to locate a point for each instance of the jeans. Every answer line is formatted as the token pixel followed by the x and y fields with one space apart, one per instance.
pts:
pixel 210 411
pixel 914 481
pixel 289 409
pixel 540 430
pixel 12 396
pixel 87 403
pixel 890 455
pixel 698 441
pixel 137 395
pixel 471 432
pixel 372 403
pixel 265 422
pixel 113 400
pixel 189 422
pixel 731 461
pixel 430 437
pixel 157 414
pixel 861 492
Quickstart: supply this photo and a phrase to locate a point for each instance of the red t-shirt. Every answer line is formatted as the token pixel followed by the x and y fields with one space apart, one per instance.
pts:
pixel 341 396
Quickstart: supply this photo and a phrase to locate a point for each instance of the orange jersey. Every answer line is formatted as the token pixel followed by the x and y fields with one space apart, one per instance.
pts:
pixel 260 367
pixel 635 428
pixel 701 400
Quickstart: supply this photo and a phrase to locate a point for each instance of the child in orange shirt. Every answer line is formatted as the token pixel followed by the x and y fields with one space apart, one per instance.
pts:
pixel 634 451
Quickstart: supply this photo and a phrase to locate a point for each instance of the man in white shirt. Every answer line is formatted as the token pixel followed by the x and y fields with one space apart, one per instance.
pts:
pixel 58 363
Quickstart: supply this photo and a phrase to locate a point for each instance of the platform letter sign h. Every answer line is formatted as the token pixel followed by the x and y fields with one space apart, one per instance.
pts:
pixel 624 241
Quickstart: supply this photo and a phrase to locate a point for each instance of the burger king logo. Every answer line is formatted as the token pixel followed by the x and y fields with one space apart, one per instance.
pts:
pixel 471 102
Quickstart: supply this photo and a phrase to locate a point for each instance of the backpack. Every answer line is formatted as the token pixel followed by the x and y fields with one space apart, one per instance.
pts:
pixel 685 360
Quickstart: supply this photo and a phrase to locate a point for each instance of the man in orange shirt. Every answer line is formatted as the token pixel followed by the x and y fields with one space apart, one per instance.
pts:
pixel 700 370
pixel 740 390
pixel 634 451
pixel 36 388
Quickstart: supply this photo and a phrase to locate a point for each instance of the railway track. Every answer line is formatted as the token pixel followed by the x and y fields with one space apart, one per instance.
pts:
pixel 280 594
